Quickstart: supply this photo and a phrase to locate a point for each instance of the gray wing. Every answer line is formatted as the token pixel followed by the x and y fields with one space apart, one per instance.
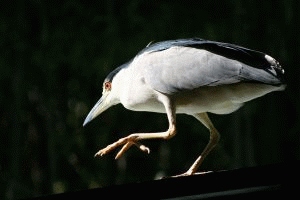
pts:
pixel 174 66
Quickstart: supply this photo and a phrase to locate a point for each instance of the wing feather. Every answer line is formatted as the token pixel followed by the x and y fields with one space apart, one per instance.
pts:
pixel 187 64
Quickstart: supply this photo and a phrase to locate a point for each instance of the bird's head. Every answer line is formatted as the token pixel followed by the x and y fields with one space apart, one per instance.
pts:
pixel 109 96
pixel 103 103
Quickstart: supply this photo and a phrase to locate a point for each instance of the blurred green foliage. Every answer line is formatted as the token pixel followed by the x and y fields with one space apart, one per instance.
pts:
pixel 54 56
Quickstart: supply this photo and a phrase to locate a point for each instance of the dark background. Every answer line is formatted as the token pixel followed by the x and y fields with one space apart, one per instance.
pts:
pixel 54 56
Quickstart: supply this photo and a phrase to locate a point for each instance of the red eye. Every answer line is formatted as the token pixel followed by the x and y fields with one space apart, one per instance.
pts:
pixel 107 85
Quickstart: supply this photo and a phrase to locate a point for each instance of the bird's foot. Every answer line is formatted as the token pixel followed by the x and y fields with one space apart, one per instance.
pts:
pixel 127 142
pixel 190 173
pixel 187 173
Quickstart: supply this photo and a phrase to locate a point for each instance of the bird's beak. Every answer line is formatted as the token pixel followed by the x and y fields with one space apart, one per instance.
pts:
pixel 102 105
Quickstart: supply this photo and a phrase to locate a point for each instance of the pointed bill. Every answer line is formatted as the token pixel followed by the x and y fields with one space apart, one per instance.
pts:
pixel 100 107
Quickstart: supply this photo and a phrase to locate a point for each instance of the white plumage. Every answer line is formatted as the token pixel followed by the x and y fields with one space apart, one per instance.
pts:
pixel 191 76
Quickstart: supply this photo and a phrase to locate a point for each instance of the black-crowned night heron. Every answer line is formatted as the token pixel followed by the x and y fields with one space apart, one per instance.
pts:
pixel 190 76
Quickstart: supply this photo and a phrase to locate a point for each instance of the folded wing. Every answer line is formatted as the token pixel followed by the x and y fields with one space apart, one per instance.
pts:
pixel 187 64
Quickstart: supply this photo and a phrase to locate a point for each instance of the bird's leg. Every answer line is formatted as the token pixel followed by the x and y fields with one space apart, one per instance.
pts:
pixel 134 138
pixel 214 139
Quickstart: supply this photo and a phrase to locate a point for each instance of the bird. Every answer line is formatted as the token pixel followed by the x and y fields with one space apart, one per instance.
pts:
pixel 187 76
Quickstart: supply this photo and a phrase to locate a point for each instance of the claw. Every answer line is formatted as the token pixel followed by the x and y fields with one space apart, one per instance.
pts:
pixel 143 148
pixel 99 154
pixel 105 150
pixel 129 142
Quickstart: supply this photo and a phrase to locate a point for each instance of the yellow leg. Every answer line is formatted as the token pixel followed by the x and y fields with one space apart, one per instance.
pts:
pixel 134 138
pixel 214 139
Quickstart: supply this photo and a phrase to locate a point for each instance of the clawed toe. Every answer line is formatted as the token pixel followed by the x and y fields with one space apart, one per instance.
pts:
pixel 189 173
pixel 105 150
pixel 128 142
pixel 100 153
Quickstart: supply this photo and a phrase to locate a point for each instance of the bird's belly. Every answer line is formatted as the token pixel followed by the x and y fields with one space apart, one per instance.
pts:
pixel 220 99
pixel 206 100
pixel 215 99
pixel 217 108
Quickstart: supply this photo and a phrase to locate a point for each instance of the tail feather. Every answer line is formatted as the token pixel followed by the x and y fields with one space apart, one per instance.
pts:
pixel 272 74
